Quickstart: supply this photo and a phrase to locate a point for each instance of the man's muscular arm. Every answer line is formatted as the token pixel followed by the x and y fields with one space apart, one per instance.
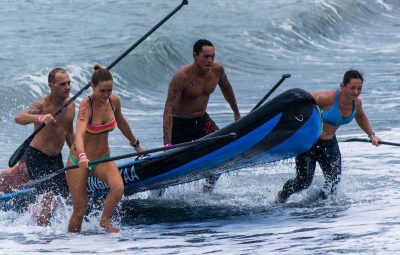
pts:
pixel 30 114
pixel 34 114
pixel 227 91
pixel 175 89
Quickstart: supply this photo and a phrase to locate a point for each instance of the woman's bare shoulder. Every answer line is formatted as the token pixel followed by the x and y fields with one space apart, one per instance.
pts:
pixel 324 98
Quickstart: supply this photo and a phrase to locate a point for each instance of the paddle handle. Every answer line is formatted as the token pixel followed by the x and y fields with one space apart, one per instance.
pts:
pixel 16 156
pixel 178 145
pixel 135 154
pixel 116 61
pixel 368 141
pixel 284 76
pixel 184 2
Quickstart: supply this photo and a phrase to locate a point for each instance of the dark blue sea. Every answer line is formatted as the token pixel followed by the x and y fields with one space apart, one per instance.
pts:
pixel 257 41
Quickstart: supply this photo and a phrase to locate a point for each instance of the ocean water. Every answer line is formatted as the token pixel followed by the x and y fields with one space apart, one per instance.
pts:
pixel 257 41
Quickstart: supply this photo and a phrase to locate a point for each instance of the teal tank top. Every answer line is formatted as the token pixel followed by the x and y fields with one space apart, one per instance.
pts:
pixel 333 116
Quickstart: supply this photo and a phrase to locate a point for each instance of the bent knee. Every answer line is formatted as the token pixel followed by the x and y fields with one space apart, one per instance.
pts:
pixel 117 189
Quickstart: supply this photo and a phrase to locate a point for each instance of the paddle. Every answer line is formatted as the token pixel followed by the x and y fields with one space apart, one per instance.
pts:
pixel 22 148
pixel 129 155
pixel 284 76
pixel 369 141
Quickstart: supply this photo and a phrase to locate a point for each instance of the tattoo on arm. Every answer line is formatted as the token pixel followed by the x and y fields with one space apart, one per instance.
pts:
pixel 34 109
pixel 227 91
pixel 175 89
pixel 83 114
pixel 226 88
pixel 223 81
pixel 220 71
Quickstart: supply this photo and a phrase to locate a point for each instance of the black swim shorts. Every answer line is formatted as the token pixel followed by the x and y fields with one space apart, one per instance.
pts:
pixel 40 165
pixel 186 130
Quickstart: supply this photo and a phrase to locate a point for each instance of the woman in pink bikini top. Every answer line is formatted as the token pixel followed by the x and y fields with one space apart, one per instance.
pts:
pixel 98 114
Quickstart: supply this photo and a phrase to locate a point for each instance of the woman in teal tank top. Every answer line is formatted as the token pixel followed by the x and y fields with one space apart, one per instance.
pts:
pixel 338 107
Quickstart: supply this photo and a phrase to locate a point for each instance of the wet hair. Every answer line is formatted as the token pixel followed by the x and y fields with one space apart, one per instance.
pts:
pixel 52 75
pixel 198 46
pixel 100 74
pixel 351 74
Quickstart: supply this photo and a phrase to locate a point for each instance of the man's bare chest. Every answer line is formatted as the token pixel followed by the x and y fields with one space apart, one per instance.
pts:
pixel 62 119
pixel 200 87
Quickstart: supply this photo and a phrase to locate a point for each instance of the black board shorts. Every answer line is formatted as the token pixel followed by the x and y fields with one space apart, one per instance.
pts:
pixel 186 130
pixel 40 165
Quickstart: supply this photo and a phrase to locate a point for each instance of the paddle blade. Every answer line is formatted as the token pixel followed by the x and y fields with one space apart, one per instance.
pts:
pixel 19 153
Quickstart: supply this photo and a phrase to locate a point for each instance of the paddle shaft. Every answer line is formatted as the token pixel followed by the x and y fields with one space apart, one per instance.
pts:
pixel 135 154
pixel 368 141
pixel 284 76
pixel 59 110
pixel 20 151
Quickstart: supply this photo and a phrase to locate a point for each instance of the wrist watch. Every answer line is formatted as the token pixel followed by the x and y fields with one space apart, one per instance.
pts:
pixel 134 145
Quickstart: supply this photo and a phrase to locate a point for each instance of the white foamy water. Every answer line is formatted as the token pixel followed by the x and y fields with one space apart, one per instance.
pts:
pixel 257 41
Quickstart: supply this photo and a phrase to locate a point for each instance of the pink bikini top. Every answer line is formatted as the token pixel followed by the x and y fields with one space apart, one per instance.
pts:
pixel 95 130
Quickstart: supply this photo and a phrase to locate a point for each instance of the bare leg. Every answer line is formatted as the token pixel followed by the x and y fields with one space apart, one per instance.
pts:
pixel 13 178
pixel 280 198
pixel 208 186
pixel 43 211
pixel 156 193
pixel 109 173
pixel 45 214
pixel 77 183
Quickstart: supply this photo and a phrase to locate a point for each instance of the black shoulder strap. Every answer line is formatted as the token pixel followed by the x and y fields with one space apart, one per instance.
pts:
pixel 112 106
pixel 91 106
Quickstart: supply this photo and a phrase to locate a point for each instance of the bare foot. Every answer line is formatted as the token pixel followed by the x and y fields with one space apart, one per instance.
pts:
pixel 42 217
pixel 209 184
pixel 45 209
pixel 280 199
pixel 42 211
pixel 156 193
pixel 208 188
pixel 34 210
pixel 109 227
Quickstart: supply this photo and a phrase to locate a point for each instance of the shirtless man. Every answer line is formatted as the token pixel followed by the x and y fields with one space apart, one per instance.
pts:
pixel 44 153
pixel 185 116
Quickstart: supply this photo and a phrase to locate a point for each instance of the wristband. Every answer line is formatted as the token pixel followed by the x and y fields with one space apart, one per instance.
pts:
pixel 40 118
pixel 82 156
pixel 134 145
pixel 167 144
pixel 370 135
